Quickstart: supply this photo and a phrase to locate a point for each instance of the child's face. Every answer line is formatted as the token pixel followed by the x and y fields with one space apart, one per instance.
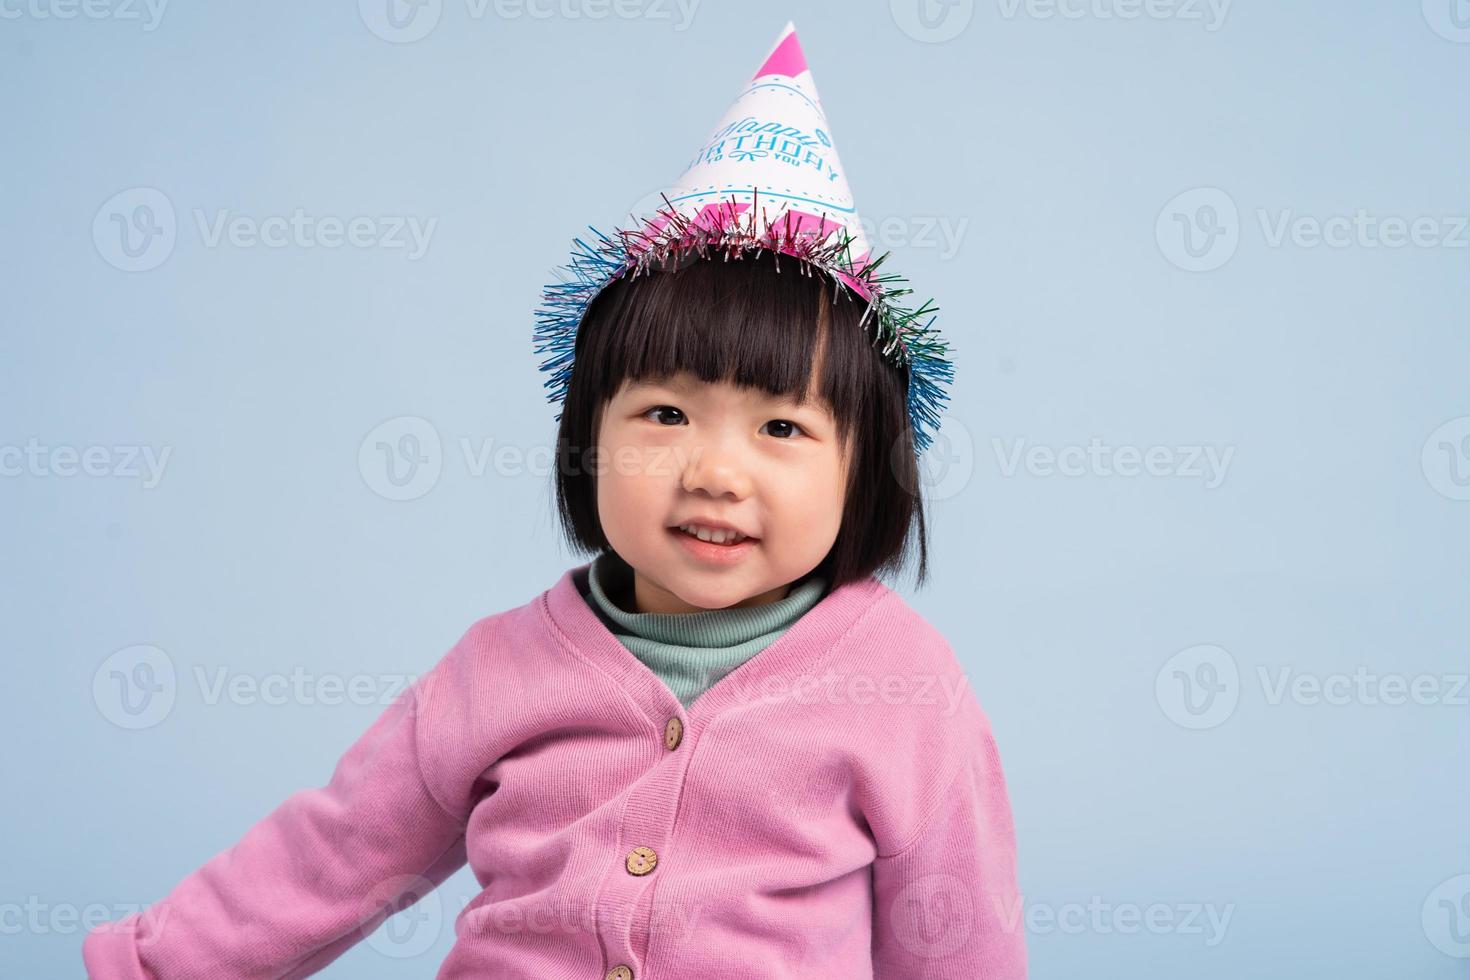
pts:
pixel 674 451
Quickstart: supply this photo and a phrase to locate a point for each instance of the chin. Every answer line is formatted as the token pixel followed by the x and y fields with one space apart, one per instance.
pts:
pixel 714 598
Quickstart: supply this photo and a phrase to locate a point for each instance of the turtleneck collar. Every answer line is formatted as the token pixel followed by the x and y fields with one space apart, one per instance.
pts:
pixel 610 575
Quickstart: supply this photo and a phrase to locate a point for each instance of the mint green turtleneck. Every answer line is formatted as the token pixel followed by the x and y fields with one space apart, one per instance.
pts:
pixel 691 651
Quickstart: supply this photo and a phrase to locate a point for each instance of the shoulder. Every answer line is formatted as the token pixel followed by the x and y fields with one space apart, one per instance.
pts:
pixel 910 639
pixel 493 657
pixel 478 697
pixel 919 709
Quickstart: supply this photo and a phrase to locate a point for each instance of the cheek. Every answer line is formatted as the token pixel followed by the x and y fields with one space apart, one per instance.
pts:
pixel 811 500
pixel 631 484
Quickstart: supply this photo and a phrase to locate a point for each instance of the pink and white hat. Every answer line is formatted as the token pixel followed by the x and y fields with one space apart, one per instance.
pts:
pixel 767 178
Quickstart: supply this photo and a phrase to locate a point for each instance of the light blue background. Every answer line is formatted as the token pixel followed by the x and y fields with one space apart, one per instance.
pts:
pixel 1051 144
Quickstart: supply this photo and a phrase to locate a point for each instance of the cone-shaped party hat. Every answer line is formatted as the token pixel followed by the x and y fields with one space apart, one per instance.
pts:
pixel 767 178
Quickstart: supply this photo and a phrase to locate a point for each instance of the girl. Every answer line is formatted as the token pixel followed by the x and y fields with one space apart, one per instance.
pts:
pixel 722 748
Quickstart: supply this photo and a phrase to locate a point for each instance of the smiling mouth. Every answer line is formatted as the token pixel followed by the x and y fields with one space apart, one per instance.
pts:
pixel 731 539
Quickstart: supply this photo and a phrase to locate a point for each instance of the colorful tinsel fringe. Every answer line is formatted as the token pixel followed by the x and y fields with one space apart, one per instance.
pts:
pixel 896 330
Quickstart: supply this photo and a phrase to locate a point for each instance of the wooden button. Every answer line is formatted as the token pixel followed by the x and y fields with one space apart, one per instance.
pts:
pixel 641 860
pixel 673 733
pixel 619 972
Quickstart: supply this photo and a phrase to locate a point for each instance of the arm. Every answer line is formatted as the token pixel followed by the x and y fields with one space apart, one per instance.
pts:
pixel 946 904
pixel 313 877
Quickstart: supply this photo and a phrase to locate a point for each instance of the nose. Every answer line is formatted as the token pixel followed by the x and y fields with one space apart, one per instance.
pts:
pixel 715 467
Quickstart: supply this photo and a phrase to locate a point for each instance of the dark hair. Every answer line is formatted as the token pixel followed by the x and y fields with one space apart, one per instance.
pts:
pixel 767 322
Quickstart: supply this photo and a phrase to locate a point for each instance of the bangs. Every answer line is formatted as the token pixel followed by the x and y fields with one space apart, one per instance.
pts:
pixel 761 322
pixel 756 322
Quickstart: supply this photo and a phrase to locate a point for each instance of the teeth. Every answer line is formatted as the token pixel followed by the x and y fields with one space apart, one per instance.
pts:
pixel 714 535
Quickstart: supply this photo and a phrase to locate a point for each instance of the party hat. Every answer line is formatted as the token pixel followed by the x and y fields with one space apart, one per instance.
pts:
pixel 767 178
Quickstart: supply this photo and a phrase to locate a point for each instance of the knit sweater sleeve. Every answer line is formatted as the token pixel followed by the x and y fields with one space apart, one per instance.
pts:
pixel 946 903
pixel 312 878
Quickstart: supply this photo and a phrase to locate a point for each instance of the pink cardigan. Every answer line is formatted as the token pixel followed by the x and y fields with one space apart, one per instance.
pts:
pixel 832 808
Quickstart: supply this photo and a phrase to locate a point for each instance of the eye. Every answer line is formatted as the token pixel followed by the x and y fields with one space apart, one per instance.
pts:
pixel 784 425
pixel 665 408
